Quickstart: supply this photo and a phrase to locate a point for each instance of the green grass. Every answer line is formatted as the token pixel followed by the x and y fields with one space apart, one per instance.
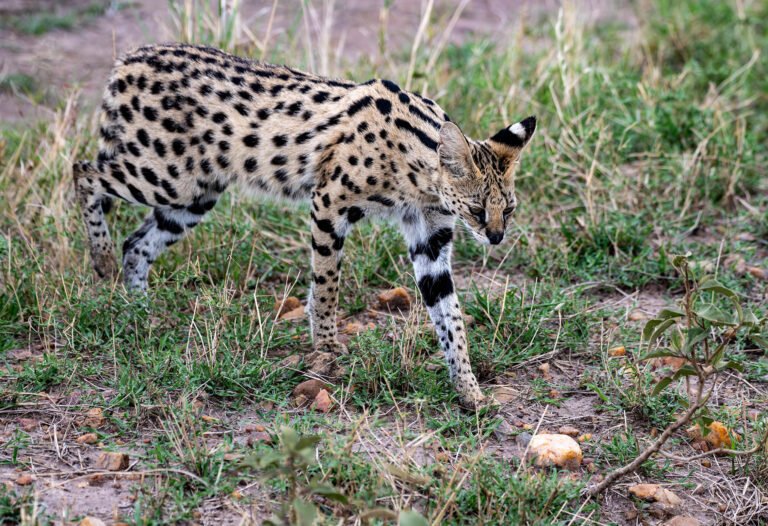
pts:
pixel 37 23
pixel 648 146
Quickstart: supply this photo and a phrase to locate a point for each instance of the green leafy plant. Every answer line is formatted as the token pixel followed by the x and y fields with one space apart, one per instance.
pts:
pixel 291 462
pixel 701 332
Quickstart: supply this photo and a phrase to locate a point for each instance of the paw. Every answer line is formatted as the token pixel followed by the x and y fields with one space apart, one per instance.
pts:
pixel 332 346
pixel 472 398
pixel 105 267
pixel 323 363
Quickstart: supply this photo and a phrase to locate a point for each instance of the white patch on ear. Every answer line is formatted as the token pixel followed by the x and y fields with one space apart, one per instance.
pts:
pixel 518 130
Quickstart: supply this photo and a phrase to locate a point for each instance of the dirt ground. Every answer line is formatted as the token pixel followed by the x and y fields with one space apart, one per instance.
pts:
pixel 64 60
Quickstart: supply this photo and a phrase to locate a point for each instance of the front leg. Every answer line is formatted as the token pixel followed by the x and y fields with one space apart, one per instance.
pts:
pixel 327 245
pixel 430 250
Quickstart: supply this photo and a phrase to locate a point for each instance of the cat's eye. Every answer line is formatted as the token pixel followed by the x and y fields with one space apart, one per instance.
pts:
pixel 478 212
pixel 509 210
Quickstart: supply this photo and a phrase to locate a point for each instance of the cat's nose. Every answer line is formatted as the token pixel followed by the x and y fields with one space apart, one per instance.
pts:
pixel 494 237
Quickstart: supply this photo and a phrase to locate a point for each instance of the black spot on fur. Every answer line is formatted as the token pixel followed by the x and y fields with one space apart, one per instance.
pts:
pixel 435 288
pixel 143 137
pixel 391 86
pixel 159 147
pixel 126 113
pixel 251 140
pixel 434 245
pixel 150 113
pixel 360 105
pixel 425 139
pixel 250 165
pixel 150 175
pixel 384 106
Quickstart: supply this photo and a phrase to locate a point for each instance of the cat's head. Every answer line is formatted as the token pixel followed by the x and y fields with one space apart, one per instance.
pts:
pixel 477 179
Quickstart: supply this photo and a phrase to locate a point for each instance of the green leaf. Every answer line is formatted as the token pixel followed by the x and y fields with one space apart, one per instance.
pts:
pixel 658 331
pixel 650 326
pixel 749 319
pixel 715 315
pixel 670 313
pixel 695 335
pixel 411 518
pixel 685 370
pixel 306 512
pixel 663 383
pixel 677 340
pixel 730 364
pixel 329 492
pixel 712 285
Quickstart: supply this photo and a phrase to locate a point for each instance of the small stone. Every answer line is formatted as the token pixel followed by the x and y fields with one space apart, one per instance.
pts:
pixel 309 389
pixel 28 424
pixel 544 370
pixel 667 498
pixel 569 430
pixel 88 438
pixel 112 461
pixel 559 450
pixel 503 395
pixel 230 457
pixel 20 355
pixel 25 479
pixel 504 430
pixel 354 328
pixel 91 521
pixel 257 428
pixel 745 236
pixel 682 520
pixel 395 299
pixel 673 362
pixel 706 462
pixel 322 402
pixel 758 273
pixel 295 314
pixel 527 427
pixel 288 304
pixel 719 435
pixel 616 352
pixel 644 491
pixel 737 263
pixel 655 493
pixel 585 437
pixel 523 439
pixel 637 315
pixel 94 418
pixel 209 419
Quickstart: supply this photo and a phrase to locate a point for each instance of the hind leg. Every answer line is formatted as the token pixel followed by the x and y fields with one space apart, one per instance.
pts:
pixel 162 228
pixel 93 202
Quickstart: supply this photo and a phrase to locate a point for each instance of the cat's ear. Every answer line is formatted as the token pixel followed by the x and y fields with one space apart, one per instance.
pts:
pixel 453 151
pixel 513 138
